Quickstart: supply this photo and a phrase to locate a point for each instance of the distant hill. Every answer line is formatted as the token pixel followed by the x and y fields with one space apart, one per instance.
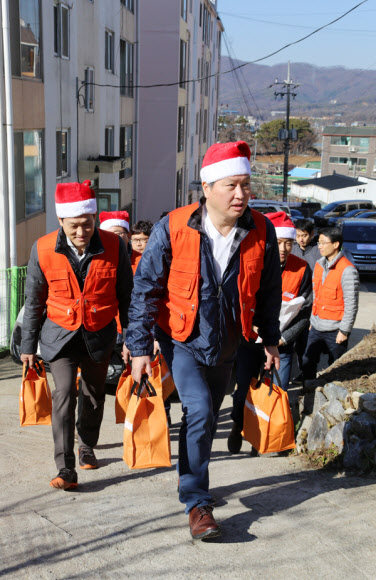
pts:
pixel 324 91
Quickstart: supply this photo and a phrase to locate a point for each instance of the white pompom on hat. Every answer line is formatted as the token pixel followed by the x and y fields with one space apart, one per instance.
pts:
pixel 108 219
pixel 284 227
pixel 75 199
pixel 225 160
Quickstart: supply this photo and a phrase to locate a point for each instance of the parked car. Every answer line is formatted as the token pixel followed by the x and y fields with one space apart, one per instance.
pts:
pixel 359 240
pixel 297 215
pixel 268 206
pixel 115 368
pixel 339 209
pixel 350 214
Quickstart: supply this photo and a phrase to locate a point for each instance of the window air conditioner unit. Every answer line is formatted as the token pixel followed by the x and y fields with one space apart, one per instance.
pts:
pixel 353 149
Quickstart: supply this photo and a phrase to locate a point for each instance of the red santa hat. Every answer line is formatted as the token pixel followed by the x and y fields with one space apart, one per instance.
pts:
pixel 108 219
pixel 74 199
pixel 224 160
pixel 284 227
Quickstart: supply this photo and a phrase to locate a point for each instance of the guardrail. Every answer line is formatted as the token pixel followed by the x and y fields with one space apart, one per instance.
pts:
pixel 12 298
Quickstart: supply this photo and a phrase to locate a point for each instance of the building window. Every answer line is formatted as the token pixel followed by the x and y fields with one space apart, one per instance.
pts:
pixel 29 38
pixel 62 153
pixel 109 51
pixel 339 140
pixel 183 10
pixel 28 162
pixel 337 160
pixel 206 79
pixel 109 141
pixel 181 129
pixel 360 144
pixel 183 63
pixel 89 89
pixel 129 4
pixel 205 131
pixel 61 30
pixel 125 150
pixel 126 68
pixel 179 188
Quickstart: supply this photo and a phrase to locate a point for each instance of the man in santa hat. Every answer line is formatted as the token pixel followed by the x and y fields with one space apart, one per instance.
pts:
pixel 78 278
pixel 210 272
pixel 297 294
pixel 116 222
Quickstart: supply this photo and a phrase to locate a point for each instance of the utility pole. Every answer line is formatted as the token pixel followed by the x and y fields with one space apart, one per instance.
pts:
pixel 286 135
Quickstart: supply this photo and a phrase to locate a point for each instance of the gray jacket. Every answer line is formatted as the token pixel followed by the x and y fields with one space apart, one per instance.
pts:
pixel 350 288
pixel 53 337
pixel 311 254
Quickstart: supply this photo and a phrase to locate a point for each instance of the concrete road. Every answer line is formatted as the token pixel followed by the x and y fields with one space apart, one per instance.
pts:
pixel 280 520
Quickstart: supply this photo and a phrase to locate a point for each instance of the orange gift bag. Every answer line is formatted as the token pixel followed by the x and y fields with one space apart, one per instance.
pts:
pixel 35 396
pixel 268 423
pixel 146 434
pixel 160 379
pixel 123 394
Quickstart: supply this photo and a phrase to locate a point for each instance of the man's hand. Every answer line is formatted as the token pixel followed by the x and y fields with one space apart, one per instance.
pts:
pixel 341 337
pixel 29 359
pixel 140 365
pixel 126 354
pixel 272 357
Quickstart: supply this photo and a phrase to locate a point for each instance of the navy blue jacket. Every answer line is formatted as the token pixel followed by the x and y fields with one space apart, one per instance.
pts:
pixel 217 329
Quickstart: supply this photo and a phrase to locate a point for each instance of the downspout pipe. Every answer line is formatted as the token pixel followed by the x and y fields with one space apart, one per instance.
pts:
pixel 9 132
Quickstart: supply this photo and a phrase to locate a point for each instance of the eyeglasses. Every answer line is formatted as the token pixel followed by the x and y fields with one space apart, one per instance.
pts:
pixel 323 243
pixel 139 240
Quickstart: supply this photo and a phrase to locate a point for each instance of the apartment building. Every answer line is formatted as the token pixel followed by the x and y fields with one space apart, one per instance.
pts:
pixel 78 112
pixel 349 151
pixel 179 42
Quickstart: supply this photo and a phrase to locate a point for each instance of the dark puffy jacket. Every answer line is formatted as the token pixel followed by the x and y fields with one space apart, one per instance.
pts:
pixel 217 329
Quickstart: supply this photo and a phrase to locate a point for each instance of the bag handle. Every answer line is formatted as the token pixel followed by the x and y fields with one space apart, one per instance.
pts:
pixel 37 366
pixel 273 371
pixel 144 383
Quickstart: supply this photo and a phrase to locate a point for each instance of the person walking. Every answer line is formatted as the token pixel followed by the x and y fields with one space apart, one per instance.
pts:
pixel 209 272
pixel 296 282
pixel 335 303
pixel 139 235
pixel 78 278
pixel 305 246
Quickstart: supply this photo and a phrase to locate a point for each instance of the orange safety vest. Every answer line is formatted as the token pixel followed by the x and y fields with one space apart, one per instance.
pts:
pixel 328 302
pixel 178 312
pixel 292 277
pixel 135 258
pixel 97 304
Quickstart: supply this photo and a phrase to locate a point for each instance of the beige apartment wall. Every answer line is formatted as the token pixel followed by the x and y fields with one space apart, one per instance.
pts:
pixel 28 104
pixel 28 232
pixel 126 191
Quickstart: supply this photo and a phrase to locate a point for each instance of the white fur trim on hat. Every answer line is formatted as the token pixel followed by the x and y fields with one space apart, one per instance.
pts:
pixel 109 223
pixel 286 233
pixel 76 208
pixel 225 168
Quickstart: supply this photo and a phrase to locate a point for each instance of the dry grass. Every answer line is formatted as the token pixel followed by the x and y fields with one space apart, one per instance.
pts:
pixel 293 159
pixel 356 369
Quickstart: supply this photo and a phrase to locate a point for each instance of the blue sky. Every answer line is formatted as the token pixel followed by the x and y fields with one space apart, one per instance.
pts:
pixel 256 29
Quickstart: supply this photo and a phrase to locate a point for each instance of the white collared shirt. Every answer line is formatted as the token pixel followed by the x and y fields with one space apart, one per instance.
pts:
pixel 75 251
pixel 220 245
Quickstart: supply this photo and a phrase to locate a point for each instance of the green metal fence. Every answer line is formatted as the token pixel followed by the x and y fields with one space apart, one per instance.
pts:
pixel 12 298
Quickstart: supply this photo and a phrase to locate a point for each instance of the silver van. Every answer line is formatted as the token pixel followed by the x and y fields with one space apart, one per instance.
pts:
pixel 339 208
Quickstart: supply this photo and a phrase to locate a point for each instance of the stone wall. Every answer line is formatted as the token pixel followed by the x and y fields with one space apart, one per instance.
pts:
pixel 332 416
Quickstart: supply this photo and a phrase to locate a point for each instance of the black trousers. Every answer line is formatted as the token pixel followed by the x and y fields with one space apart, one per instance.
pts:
pixel 318 343
pixel 64 397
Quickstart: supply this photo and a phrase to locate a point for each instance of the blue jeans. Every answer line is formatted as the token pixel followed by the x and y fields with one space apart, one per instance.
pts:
pixel 201 390
pixel 319 342
pixel 285 357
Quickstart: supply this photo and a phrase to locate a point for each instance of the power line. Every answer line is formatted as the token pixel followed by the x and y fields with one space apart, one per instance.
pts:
pixel 83 84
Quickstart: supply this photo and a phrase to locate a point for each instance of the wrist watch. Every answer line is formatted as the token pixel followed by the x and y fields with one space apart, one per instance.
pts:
pixel 345 333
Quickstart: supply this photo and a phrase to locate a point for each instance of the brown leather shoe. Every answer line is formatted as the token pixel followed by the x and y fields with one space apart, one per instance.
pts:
pixel 202 523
